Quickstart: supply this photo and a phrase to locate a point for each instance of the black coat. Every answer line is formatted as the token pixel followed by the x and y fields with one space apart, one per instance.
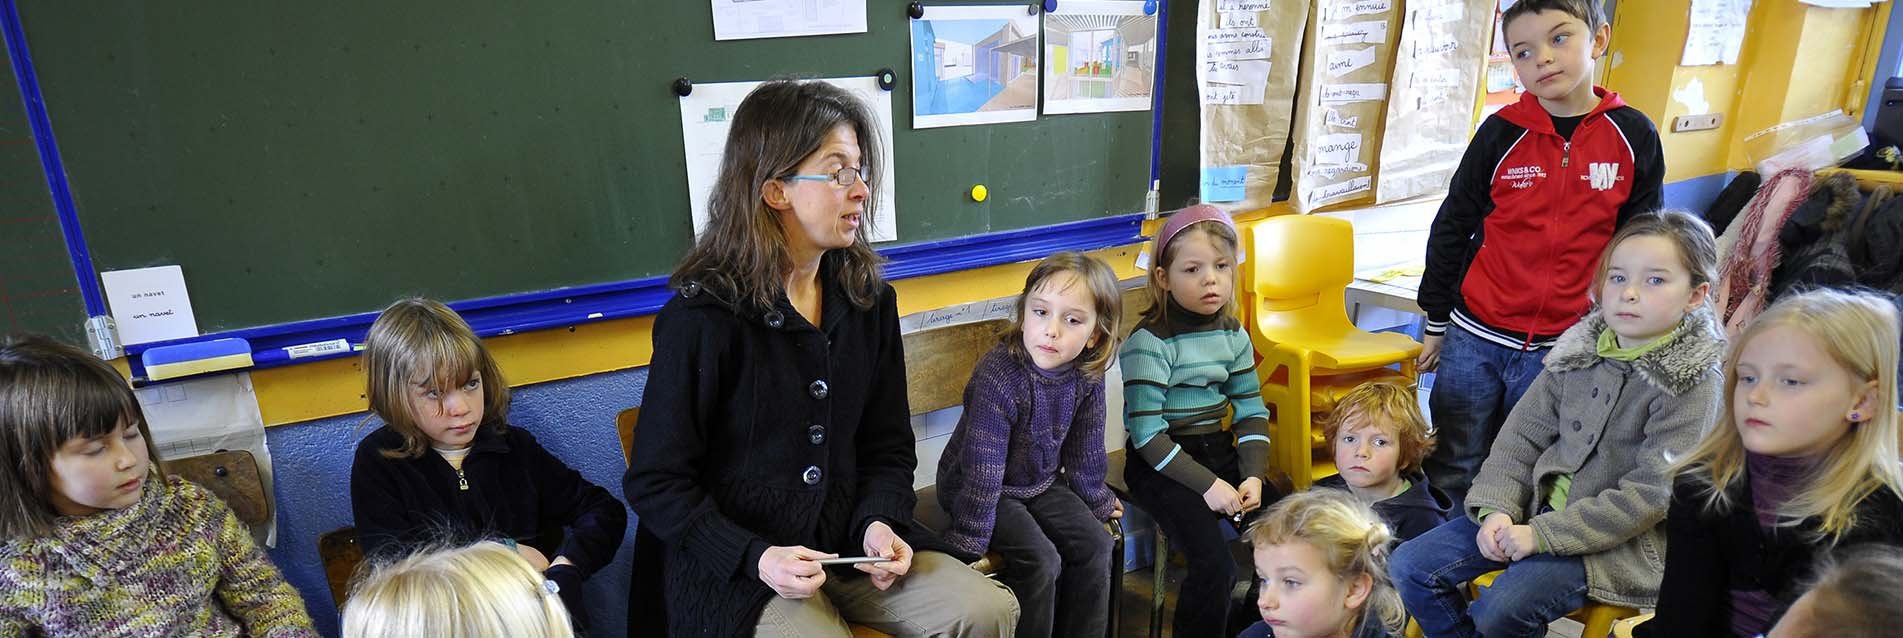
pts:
pixel 517 490
pixel 1411 513
pixel 1707 556
pixel 758 429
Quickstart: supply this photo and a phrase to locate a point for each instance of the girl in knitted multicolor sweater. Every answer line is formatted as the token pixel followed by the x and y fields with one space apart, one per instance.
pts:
pixel 94 539
pixel 1184 368
pixel 1034 409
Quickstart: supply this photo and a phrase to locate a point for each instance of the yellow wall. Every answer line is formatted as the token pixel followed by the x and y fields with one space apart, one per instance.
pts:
pixel 291 394
pixel 1797 60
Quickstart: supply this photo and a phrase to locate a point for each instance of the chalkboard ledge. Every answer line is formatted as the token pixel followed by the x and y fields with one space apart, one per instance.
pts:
pixel 564 307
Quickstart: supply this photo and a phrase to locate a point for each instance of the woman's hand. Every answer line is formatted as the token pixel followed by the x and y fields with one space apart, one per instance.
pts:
pixel 793 572
pixel 881 541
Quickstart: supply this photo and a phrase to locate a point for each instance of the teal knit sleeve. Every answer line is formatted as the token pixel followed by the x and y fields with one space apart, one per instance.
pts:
pixel 1251 419
pixel 1146 377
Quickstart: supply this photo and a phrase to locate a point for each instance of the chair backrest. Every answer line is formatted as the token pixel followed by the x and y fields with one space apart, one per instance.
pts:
pixel 624 424
pixel 342 556
pixel 233 476
pixel 1299 269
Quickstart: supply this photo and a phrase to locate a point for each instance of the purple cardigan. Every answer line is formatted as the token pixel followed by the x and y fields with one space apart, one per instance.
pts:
pixel 1022 425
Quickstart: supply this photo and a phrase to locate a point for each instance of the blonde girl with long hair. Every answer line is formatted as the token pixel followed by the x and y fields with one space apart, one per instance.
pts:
pixel 1803 459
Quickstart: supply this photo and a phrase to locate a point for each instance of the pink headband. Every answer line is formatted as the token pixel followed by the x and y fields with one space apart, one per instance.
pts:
pixel 1185 218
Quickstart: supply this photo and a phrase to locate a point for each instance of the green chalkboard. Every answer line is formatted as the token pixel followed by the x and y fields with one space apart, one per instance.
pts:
pixel 38 292
pixel 310 159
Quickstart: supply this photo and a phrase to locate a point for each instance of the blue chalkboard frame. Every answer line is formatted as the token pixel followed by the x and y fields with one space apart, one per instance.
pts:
pixel 541 310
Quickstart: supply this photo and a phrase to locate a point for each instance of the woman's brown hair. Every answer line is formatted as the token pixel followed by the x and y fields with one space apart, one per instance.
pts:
pixel 421 342
pixel 742 255
pixel 51 393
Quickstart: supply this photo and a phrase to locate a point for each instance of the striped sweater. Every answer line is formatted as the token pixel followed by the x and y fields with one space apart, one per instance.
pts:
pixel 1182 373
pixel 176 563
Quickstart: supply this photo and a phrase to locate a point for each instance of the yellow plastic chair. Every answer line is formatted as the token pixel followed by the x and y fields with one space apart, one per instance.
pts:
pixel 1295 282
pixel 1597 617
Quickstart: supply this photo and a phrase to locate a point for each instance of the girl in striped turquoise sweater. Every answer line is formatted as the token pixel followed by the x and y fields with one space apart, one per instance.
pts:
pixel 1188 363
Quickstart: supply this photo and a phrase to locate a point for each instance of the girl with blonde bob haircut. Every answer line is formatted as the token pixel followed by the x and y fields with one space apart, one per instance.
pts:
pixel 446 467
pixel 422 343
pixel 1323 560
pixel 481 590
pixel 1803 459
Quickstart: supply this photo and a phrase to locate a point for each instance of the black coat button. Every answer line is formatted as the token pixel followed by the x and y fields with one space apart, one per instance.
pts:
pixel 691 289
pixel 811 476
pixel 774 319
pixel 816 434
pixel 817 389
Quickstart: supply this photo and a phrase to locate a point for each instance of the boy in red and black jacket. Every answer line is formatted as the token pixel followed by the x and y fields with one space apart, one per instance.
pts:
pixel 1510 256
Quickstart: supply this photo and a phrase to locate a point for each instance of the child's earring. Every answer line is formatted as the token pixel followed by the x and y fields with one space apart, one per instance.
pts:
pixel 1855 416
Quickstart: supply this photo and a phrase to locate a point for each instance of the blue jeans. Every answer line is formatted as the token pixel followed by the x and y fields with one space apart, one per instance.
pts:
pixel 1430 572
pixel 1475 386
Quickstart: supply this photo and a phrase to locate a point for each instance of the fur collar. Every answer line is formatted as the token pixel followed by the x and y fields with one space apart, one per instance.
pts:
pixel 1675 367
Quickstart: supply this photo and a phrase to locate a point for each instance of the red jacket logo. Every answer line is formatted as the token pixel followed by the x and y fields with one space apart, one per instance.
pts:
pixel 1603 175
pixel 1523 176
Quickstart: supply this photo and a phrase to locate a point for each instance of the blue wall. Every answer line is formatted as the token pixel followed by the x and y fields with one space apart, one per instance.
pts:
pixel 1887 59
pixel 574 419
pixel 1696 194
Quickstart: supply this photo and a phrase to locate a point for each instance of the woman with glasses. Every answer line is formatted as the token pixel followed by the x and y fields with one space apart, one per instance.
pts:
pixel 775 436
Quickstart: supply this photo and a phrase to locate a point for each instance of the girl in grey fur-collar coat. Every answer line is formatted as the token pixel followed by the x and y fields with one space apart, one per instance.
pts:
pixel 1572 499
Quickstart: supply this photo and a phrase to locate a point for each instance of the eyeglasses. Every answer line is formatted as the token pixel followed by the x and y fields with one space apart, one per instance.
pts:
pixel 843 178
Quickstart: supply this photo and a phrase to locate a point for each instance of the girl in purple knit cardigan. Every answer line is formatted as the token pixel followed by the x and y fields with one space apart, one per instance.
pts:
pixel 1034 413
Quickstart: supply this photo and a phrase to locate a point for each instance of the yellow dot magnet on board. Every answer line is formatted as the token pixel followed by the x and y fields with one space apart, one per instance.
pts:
pixel 978 193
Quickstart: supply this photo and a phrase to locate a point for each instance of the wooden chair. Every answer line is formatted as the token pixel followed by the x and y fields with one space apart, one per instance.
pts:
pixel 233 476
pixel 1597 617
pixel 342 556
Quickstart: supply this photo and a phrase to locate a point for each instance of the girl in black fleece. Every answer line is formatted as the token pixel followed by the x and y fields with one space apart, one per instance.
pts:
pixel 447 467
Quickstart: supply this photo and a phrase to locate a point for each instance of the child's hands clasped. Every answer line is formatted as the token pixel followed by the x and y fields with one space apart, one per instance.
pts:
pixel 1488 538
pixel 1250 493
pixel 1517 542
pixel 1222 499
